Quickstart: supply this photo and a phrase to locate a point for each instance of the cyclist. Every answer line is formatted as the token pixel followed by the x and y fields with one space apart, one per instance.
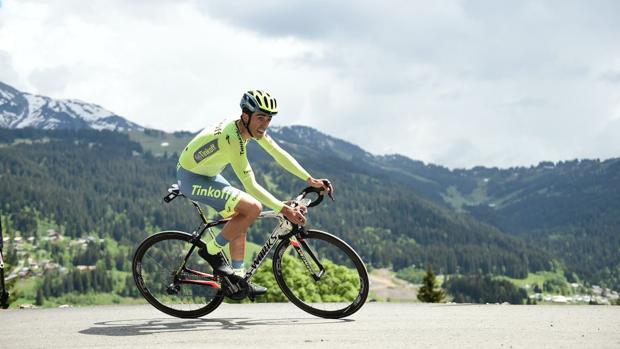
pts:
pixel 206 156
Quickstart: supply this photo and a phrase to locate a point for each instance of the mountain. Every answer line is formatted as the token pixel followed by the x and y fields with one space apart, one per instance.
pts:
pixel 516 200
pixel 396 210
pixel 19 110
pixel 569 208
pixel 100 182
pixel 427 180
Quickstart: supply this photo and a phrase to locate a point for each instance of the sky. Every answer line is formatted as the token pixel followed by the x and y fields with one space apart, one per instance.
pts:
pixel 451 82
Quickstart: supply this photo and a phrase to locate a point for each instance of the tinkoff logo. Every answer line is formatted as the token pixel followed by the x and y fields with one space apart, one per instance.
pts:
pixel 206 150
pixel 211 192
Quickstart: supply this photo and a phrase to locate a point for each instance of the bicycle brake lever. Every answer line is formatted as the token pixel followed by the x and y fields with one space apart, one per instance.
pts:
pixel 327 185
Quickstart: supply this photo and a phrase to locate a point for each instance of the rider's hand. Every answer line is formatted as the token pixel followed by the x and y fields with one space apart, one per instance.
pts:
pixel 302 208
pixel 294 214
pixel 323 183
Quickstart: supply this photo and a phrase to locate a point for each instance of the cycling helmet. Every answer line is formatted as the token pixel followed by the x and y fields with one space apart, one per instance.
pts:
pixel 257 100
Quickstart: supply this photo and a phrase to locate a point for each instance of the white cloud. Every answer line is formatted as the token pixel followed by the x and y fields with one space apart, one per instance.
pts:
pixel 7 72
pixel 176 68
pixel 451 82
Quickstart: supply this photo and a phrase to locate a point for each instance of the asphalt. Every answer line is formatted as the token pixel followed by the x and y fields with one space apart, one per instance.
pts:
pixel 376 325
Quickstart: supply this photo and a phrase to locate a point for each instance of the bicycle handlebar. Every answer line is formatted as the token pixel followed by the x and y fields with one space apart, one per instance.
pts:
pixel 318 191
pixel 308 190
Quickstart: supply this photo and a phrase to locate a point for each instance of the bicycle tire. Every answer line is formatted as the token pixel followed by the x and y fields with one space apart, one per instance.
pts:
pixel 172 246
pixel 339 293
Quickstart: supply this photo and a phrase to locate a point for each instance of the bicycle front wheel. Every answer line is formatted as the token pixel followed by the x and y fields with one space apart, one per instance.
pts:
pixel 321 274
pixel 187 291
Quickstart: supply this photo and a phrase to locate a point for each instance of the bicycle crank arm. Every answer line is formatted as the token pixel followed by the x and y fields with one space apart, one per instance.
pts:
pixel 235 287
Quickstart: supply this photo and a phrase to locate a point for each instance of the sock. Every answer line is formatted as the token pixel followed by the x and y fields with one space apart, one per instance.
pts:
pixel 238 267
pixel 215 246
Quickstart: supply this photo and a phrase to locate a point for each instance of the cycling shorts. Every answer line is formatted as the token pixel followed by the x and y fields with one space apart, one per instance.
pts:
pixel 213 191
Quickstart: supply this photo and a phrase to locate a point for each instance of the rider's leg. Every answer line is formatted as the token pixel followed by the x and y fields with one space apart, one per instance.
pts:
pixel 246 211
pixel 237 254
pixel 235 231
pixel 229 202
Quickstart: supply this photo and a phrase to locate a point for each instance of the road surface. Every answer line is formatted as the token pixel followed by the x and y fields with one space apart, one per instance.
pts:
pixel 377 325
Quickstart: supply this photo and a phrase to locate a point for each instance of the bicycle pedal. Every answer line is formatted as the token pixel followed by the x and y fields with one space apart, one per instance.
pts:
pixel 235 287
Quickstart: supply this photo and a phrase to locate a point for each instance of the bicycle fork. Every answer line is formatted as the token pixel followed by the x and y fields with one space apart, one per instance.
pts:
pixel 301 246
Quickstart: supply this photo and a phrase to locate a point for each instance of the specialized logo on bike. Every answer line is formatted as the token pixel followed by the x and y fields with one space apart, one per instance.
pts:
pixel 206 150
pixel 211 192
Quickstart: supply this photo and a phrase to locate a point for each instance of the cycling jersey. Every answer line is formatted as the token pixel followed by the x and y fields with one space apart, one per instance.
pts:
pixel 214 148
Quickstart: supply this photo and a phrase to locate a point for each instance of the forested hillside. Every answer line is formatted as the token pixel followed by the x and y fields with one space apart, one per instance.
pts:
pixel 102 185
pixel 569 208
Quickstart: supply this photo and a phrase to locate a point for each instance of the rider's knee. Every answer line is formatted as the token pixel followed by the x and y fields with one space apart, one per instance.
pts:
pixel 255 209
pixel 250 207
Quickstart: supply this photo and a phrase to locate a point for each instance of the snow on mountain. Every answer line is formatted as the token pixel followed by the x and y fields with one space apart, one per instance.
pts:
pixel 19 109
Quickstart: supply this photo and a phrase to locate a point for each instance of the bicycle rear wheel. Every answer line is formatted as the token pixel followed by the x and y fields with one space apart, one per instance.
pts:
pixel 189 293
pixel 321 274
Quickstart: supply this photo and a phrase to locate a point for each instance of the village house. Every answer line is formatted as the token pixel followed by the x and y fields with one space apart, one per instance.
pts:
pixel 53 235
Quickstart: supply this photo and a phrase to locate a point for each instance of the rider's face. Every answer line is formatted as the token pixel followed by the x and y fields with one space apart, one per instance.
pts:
pixel 260 123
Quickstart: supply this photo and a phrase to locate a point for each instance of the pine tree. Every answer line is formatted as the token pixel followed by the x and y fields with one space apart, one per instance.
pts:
pixel 429 292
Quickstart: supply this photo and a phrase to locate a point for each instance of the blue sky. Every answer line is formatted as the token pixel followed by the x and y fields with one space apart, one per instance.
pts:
pixel 454 82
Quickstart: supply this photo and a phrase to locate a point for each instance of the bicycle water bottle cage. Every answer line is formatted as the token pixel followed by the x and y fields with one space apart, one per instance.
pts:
pixel 173 192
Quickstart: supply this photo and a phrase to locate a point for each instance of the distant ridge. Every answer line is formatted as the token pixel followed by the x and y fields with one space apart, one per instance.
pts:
pixel 19 110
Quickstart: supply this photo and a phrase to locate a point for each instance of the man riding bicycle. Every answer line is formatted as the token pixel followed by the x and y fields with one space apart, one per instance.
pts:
pixel 206 156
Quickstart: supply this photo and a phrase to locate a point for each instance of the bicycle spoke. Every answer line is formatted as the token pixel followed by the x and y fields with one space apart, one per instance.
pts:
pixel 159 261
pixel 323 275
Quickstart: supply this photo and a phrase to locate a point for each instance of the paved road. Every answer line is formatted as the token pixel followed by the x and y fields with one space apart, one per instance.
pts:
pixel 377 325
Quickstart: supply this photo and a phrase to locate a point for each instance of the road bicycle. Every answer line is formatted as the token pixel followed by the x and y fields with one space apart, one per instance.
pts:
pixel 317 271
pixel 4 294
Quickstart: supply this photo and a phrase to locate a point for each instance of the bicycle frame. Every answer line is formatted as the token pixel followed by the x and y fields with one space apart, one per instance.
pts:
pixel 340 295
pixel 281 230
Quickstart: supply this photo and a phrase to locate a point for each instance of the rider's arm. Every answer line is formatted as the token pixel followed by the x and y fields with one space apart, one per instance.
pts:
pixel 244 172
pixel 283 158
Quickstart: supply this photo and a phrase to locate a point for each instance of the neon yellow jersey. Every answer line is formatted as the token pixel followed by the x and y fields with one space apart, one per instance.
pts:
pixel 214 148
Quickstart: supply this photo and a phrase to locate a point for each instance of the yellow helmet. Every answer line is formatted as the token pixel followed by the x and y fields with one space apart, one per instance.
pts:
pixel 257 100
